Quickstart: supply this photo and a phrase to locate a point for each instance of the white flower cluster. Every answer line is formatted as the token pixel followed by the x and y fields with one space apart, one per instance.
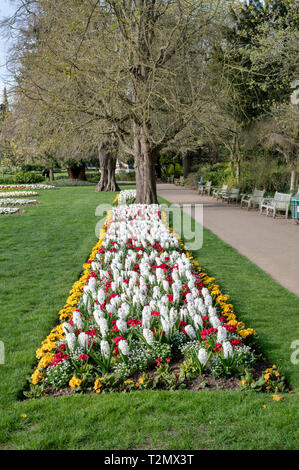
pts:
pixel 8 210
pixel 128 196
pixel 12 194
pixel 15 202
pixel 27 186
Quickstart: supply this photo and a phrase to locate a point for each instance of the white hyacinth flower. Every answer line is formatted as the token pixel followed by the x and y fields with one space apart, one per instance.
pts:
pixel 105 349
pixel 165 285
pixel 190 331
pixel 227 349
pixel 221 334
pixel 205 291
pixel 101 296
pixel 102 322
pixel 198 322
pixel 77 319
pixel 67 328
pixel 123 347
pixel 70 339
pixel 202 356
pixel 148 335
pixel 83 340
pixel 92 283
pixel 208 300
pixel 122 325
pixel 215 322
pixel 166 325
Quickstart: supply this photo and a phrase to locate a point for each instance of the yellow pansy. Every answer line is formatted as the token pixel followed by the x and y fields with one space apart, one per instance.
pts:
pixel 75 382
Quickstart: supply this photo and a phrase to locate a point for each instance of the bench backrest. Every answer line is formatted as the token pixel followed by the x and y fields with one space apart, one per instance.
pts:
pixel 208 184
pixel 258 193
pixel 224 188
pixel 234 191
pixel 282 200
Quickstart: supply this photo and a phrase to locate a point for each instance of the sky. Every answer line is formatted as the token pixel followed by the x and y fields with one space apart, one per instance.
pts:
pixel 7 8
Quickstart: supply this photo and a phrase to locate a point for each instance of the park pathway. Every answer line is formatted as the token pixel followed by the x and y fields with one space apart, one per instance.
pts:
pixel 272 244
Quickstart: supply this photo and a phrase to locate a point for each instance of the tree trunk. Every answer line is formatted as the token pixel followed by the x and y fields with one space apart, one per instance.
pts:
pixel 144 163
pixel 186 164
pixel 107 181
pixel 77 172
pixel 51 175
pixel 238 171
pixel 293 179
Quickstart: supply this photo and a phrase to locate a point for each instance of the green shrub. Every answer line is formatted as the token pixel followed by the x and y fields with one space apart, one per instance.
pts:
pixel 7 179
pixel 123 176
pixel 216 173
pixel 193 179
pixel 27 177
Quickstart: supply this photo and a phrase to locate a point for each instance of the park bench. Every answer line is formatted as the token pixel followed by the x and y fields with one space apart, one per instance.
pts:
pixel 231 195
pixel 217 192
pixel 206 188
pixel 253 199
pixel 280 202
pixel 179 181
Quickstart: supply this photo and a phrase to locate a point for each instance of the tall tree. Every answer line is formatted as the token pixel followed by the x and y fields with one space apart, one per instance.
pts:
pixel 122 63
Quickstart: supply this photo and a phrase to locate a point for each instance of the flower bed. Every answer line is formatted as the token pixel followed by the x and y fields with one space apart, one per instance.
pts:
pixel 16 202
pixel 143 315
pixel 8 187
pixel 8 210
pixel 17 194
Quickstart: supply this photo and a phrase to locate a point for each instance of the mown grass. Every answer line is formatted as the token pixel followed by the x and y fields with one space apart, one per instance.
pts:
pixel 41 255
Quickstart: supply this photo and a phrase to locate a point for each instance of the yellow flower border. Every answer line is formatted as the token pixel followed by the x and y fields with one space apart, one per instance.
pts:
pixel 44 353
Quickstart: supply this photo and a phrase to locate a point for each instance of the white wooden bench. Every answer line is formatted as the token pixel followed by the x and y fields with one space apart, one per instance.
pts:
pixel 205 188
pixel 231 195
pixel 217 192
pixel 254 199
pixel 280 202
pixel 179 181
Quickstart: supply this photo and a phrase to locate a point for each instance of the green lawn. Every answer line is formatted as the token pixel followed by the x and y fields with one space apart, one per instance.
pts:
pixel 41 255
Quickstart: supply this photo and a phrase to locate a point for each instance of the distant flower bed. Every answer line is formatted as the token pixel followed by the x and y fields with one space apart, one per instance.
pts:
pixel 17 202
pixel 8 187
pixel 8 210
pixel 12 194
pixel 143 315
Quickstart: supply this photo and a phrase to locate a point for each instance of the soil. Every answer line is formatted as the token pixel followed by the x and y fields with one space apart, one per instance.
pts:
pixel 204 382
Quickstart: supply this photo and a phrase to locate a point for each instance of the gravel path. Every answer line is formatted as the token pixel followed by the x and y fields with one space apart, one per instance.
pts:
pixel 272 244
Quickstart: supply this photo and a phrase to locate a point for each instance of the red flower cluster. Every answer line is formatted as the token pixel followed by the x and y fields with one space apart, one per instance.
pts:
pixel 155 314
pixel 58 357
pixel 217 347
pixel 160 360
pixel 231 328
pixel 208 332
pixel 235 342
pixel 91 333
pixel 83 357
pixel 117 339
pixel 134 322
